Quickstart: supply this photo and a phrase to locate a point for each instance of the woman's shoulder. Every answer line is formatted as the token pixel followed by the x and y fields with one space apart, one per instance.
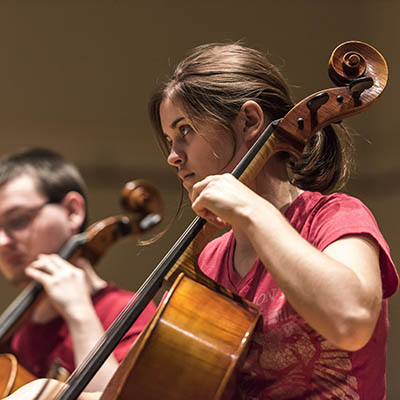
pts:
pixel 323 219
pixel 336 212
pixel 310 206
pixel 318 200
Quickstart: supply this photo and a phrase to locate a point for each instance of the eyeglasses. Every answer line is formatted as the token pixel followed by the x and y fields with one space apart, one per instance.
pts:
pixel 20 220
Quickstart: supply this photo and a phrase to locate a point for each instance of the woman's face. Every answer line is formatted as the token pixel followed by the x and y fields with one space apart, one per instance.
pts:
pixel 196 154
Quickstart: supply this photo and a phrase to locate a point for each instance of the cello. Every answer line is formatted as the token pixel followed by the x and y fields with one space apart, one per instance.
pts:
pixel 143 206
pixel 161 366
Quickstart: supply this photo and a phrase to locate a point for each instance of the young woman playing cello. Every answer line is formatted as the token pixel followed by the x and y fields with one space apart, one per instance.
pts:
pixel 316 263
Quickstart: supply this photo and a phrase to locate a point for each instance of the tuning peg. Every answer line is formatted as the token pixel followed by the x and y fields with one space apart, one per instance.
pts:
pixel 357 86
pixel 317 101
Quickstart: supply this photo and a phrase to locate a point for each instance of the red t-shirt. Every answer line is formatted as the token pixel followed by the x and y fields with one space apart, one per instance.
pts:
pixel 292 361
pixel 37 346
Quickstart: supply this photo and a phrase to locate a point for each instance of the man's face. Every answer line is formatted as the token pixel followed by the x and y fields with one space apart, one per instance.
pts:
pixel 29 226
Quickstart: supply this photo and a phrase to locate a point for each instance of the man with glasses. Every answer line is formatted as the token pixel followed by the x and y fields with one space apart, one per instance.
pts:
pixel 42 204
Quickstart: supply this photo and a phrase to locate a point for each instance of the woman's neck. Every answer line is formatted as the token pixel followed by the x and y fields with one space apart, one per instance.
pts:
pixel 274 186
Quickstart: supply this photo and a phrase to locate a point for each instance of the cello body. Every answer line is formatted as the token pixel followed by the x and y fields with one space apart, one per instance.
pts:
pixel 13 375
pixel 192 349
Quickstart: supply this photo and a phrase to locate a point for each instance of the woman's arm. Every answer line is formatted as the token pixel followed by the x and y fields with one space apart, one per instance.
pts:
pixel 338 291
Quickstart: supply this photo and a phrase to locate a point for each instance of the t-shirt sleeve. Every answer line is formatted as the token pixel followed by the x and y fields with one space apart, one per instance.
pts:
pixel 345 215
pixel 109 308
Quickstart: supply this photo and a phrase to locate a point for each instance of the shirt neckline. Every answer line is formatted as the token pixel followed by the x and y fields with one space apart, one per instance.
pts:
pixel 238 281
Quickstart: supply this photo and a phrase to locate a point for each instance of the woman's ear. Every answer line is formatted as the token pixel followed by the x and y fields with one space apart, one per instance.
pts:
pixel 253 121
pixel 74 203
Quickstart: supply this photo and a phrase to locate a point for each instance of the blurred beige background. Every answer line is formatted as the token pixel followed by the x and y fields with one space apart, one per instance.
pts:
pixel 75 76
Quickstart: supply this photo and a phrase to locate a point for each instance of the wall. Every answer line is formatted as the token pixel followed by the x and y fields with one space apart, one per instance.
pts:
pixel 76 77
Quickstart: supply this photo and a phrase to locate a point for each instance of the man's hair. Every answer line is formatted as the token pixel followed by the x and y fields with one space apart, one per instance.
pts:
pixel 53 174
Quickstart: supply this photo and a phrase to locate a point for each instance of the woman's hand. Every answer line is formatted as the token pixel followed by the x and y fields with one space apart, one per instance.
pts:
pixel 222 200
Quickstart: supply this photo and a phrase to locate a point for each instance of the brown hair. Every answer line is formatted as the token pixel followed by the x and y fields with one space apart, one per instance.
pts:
pixel 213 83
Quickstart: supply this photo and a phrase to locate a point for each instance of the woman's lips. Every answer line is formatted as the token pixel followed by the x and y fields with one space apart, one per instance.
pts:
pixel 187 180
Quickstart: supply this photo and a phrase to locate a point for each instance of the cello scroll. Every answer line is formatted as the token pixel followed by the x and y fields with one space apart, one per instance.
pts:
pixel 143 204
pixel 361 73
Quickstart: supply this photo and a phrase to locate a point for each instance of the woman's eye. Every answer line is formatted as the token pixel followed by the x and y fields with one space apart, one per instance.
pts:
pixel 184 129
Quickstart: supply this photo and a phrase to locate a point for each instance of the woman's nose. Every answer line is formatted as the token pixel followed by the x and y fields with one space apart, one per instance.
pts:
pixel 175 156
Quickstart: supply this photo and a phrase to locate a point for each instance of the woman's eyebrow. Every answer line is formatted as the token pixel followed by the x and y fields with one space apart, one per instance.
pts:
pixel 174 123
